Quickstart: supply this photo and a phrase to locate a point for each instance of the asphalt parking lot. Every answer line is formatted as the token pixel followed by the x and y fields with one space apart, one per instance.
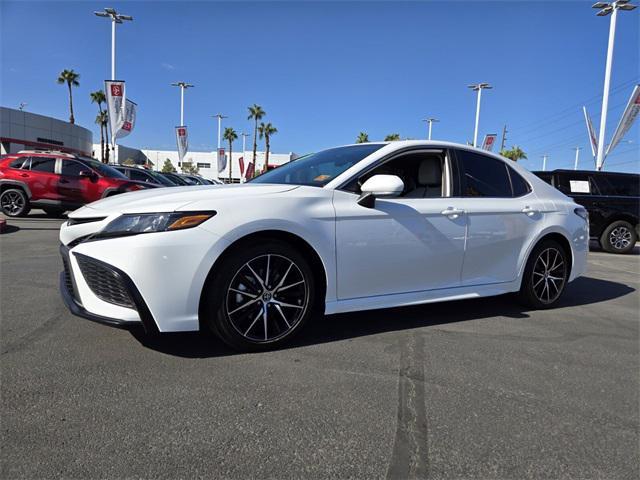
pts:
pixel 472 389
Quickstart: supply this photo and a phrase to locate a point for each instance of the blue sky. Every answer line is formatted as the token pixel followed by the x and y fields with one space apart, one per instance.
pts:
pixel 324 71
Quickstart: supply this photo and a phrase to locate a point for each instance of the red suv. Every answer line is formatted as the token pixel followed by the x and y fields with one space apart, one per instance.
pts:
pixel 56 182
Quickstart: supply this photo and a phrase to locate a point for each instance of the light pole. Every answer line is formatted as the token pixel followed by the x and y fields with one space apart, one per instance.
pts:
pixel 544 162
pixel 478 87
pixel 606 9
pixel 430 121
pixel 115 18
pixel 183 86
pixel 575 163
pixel 219 116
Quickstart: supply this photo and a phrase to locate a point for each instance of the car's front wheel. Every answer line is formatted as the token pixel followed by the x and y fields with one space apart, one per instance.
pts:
pixel 14 202
pixel 545 275
pixel 260 296
pixel 619 237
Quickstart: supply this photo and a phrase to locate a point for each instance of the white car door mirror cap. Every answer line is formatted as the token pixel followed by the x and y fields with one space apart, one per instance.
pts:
pixel 383 186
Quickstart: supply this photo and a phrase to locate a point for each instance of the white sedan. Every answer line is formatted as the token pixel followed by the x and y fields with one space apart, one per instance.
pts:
pixel 358 227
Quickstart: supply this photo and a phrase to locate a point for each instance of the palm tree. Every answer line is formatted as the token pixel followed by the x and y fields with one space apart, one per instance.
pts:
pixel 266 130
pixel 101 119
pixel 230 135
pixel 515 153
pixel 255 113
pixel 71 79
pixel 99 97
pixel 392 137
pixel 362 138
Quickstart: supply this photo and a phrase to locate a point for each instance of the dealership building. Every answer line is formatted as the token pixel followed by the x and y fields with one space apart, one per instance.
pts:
pixel 29 131
pixel 206 162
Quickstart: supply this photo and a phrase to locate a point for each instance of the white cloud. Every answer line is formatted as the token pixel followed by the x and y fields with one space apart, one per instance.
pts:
pixel 167 66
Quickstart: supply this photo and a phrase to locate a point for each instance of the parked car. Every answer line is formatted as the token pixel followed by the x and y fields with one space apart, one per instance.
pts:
pixel 175 178
pixel 147 176
pixel 56 182
pixel 358 227
pixel 195 180
pixel 612 200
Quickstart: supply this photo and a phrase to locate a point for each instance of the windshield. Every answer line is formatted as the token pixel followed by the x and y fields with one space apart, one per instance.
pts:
pixel 318 169
pixel 105 170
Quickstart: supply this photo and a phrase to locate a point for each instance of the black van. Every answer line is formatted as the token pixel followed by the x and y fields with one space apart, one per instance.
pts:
pixel 612 199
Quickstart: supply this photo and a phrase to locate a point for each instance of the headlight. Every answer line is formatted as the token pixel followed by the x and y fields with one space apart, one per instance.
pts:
pixel 134 224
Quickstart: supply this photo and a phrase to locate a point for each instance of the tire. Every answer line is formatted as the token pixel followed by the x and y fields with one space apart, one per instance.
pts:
pixel 619 237
pixel 277 280
pixel 54 212
pixel 545 275
pixel 14 202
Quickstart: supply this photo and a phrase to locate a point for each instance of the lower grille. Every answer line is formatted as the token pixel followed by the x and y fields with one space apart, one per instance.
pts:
pixel 67 275
pixel 105 281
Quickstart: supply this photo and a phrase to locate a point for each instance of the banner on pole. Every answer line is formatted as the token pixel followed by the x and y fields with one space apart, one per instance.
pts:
pixel 115 93
pixel 183 142
pixel 489 141
pixel 129 121
pixel 593 140
pixel 222 160
pixel 250 170
pixel 241 162
pixel 628 117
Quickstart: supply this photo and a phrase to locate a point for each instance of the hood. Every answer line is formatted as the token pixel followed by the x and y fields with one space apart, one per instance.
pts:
pixel 170 199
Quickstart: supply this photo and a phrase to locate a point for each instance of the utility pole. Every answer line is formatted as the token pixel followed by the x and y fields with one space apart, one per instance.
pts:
pixel 115 19
pixel 430 121
pixel 575 163
pixel 183 86
pixel 504 138
pixel 544 162
pixel 478 87
pixel 606 9
pixel 219 116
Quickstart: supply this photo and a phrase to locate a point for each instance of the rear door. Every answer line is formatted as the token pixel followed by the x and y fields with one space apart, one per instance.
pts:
pixel 42 179
pixel 502 213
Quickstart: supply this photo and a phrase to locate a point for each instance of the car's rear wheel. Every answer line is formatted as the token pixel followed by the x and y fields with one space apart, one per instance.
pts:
pixel 545 275
pixel 619 237
pixel 14 202
pixel 54 212
pixel 260 296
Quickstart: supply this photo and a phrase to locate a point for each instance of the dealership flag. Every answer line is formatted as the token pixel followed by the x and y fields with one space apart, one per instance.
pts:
pixel 183 142
pixel 592 132
pixel 250 170
pixel 222 160
pixel 489 141
pixel 115 93
pixel 129 119
pixel 628 117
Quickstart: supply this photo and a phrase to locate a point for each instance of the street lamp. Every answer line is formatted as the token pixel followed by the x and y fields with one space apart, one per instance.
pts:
pixel 219 116
pixel 183 86
pixel 430 121
pixel 544 162
pixel 478 87
pixel 115 18
pixel 604 10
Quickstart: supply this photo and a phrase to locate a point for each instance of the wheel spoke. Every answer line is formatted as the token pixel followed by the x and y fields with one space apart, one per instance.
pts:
pixel 284 277
pixel 281 289
pixel 266 276
pixel 243 292
pixel 557 266
pixel 290 305
pixel 245 305
pixel 256 275
pixel 253 323
pixel 279 309
pixel 264 320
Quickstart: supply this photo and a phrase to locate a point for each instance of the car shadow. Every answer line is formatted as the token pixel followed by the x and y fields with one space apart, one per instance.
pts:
pixel 331 328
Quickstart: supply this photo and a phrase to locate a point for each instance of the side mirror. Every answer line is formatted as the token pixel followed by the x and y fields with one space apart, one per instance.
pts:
pixel 380 186
pixel 86 174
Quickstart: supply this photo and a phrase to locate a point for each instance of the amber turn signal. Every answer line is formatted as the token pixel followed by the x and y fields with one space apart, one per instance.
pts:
pixel 189 221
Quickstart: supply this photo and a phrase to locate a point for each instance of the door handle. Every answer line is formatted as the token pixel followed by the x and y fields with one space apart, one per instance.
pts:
pixel 24 174
pixel 452 213
pixel 529 211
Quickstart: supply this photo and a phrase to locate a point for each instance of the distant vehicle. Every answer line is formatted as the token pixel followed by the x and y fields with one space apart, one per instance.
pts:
pixel 56 182
pixel 175 178
pixel 612 200
pixel 359 227
pixel 147 176
pixel 195 180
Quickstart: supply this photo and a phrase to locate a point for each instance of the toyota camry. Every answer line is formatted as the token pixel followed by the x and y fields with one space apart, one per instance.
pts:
pixel 357 227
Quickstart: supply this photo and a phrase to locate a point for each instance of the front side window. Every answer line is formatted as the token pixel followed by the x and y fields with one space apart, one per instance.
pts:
pixel 103 169
pixel 318 169
pixel 483 176
pixel 43 164
pixel 71 168
pixel 140 176
pixel 20 163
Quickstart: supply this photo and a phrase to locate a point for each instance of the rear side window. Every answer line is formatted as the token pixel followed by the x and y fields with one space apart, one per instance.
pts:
pixel 483 176
pixel 618 185
pixel 43 164
pixel 518 184
pixel 576 184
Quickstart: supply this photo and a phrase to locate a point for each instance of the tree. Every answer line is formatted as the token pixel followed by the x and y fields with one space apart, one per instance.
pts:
pixel 265 131
pixel 362 138
pixel 168 167
pixel 129 162
pixel 255 113
pixel 515 153
pixel 190 168
pixel 101 119
pixel 71 79
pixel 392 137
pixel 230 136
pixel 99 97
